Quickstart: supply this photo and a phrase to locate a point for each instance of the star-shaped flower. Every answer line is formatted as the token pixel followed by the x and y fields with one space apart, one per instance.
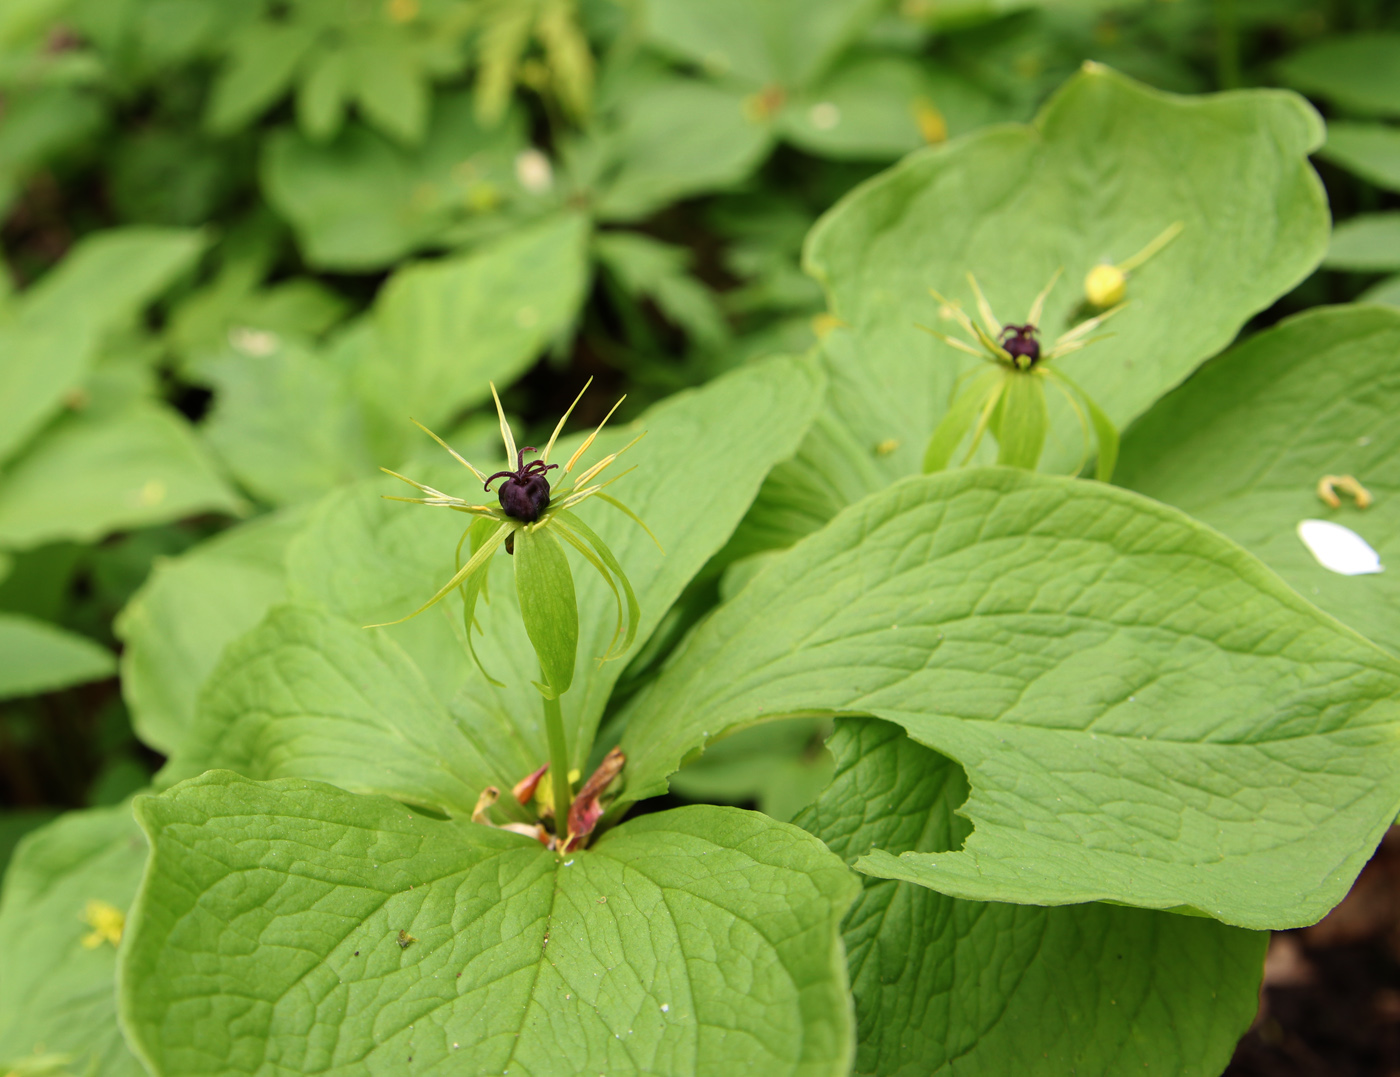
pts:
pixel 529 518
pixel 1009 399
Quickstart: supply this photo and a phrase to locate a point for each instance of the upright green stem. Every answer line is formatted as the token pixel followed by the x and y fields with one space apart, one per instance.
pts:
pixel 558 765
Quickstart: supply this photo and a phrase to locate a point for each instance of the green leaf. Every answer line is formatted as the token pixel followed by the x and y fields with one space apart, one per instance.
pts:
pixel 871 106
pixel 442 330
pixel 321 95
pixel 392 93
pixel 776 765
pixel 362 202
pixel 944 986
pixel 676 138
pixel 1146 713
pixel 548 606
pixel 1023 422
pixel 46 351
pixel 1371 150
pixel 783 42
pixel 263 61
pixel 91 475
pixel 284 421
pixel 1386 291
pixel 307 694
pixel 1368 242
pixel 365 560
pixel 701 940
pixel 1243 445
pixel 190 608
pixel 57 992
pixel 36 656
pixel 1357 71
pixel 1012 204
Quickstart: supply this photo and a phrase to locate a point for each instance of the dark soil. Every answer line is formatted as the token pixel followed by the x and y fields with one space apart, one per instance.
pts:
pixel 1330 1005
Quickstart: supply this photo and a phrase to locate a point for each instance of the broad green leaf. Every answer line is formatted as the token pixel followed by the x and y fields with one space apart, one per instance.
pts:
pixel 676 138
pixel 14 825
pixel 1146 713
pixel 1106 166
pixel 364 560
pixel 58 993
pixel 41 123
pixel 108 277
pixel 548 607
pixel 362 202
pixel 1243 445
pixel 36 656
pixel 263 61
pixel 442 330
pixel 874 106
pixel 1368 242
pixel 759 42
pixel 177 625
pixel 779 766
pixel 1386 291
pixel 321 95
pixel 697 941
pixel 284 421
pixel 1357 71
pixel 48 348
pixel 307 694
pixel 91 475
pixel 1371 150
pixel 944 986
pixel 391 91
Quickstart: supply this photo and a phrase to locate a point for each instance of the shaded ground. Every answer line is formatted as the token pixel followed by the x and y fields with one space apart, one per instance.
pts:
pixel 1331 999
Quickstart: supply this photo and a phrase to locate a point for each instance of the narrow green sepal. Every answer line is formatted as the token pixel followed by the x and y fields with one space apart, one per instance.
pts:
pixel 1023 422
pixel 605 554
pixel 949 432
pixel 475 586
pixel 548 606
pixel 1105 433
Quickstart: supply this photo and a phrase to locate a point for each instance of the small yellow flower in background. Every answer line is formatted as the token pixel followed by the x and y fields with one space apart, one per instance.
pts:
pixel 1106 285
pixel 107 922
pixel 402 10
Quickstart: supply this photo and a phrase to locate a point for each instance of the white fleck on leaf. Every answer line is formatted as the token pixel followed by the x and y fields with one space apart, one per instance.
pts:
pixel 1339 548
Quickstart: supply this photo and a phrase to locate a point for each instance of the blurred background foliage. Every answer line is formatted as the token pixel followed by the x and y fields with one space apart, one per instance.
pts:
pixel 243 239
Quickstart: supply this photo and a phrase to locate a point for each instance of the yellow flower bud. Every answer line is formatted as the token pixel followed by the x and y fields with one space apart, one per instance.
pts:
pixel 1105 286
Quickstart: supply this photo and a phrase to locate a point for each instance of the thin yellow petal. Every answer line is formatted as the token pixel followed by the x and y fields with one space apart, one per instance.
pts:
pixel 455 454
pixel 1084 328
pixel 1038 307
pixel 984 308
pixel 506 435
pixel 992 346
pixel 961 345
pixel 544 457
pixel 603 463
pixel 954 310
pixel 1166 236
pixel 416 485
pixel 589 441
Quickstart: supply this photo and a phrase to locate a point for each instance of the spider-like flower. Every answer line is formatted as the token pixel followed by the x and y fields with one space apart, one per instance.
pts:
pixel 1009 399
pixel 529 519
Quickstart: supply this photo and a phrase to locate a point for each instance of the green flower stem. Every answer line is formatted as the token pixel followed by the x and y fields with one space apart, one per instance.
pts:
pixel 558 765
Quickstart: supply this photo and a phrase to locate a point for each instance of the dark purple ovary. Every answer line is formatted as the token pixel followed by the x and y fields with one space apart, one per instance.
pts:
pixel 1019 342
pixel 525 493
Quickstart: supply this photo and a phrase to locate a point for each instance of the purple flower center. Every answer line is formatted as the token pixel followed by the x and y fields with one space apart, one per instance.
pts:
pixel 1019 342
pixel 525 493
